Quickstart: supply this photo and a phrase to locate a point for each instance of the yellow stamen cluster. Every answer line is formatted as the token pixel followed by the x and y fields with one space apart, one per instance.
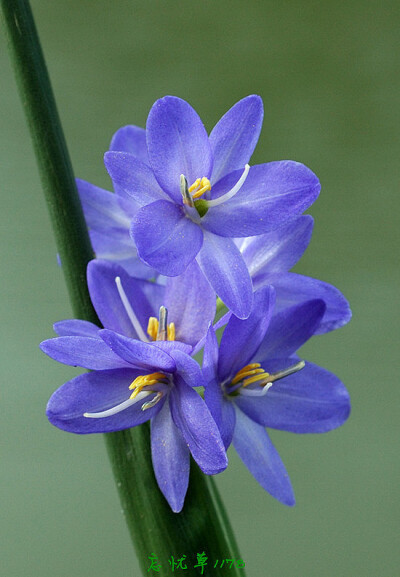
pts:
pixel 250 374
pixel 199 187
pixel 145 381
pixel 152 329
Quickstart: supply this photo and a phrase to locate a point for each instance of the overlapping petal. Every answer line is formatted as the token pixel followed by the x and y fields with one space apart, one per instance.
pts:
pixel 133 178
pixel 114 244
pixel 117 247
pixel 271 195
pixel 191 304
pixel 79 351
pixel 235 136
pixel 131 139
pixel 74 327
pixel 228 422
pixel 177 144
pixel 290 329
pixel 95 392
pixel 187 367
pixel 224 267
pixel 276 252
pixel 103 210
pixel 292 289
pixel 210 356
pixel 146 356
pixel 165 238
pixel 310 401
pixel 171 458
pixel 242 338
pixel 257 452
pixel 201 434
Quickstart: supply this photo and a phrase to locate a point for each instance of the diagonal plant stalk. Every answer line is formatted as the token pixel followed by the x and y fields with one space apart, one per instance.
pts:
pixel 203 525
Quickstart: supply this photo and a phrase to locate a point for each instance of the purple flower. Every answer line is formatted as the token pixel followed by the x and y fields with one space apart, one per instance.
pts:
pixel 270 256
pixel 196 193
pixel 135 377
pixel 108 217
pixel 256 380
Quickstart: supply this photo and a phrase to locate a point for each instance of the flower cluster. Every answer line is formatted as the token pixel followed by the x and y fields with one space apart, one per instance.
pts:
pixel 190 224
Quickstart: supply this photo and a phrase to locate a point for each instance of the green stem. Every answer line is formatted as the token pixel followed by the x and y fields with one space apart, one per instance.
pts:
pixel 51 151
pixel 202 526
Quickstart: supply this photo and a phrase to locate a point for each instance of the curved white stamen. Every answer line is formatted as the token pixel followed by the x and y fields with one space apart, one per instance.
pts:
pixel 255 392
pixel 129 311
pixel 118 408
pixel 233 190
pixel 153 402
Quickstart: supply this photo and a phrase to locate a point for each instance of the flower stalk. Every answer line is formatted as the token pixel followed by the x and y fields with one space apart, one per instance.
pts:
pixel 202 526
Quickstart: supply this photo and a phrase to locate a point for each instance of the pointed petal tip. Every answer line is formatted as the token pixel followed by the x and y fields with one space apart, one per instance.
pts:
pixel 289 501
pixel 176 508
pixel 109 155
pixel 217 467
pixel 169 99
pixel 255 99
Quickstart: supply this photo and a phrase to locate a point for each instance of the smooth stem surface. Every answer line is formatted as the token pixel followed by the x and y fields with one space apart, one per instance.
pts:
pixel 202 526
pixel 198 528
pixel 52 155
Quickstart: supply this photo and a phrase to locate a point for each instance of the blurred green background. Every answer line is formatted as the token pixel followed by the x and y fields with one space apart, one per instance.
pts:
pixel 329 77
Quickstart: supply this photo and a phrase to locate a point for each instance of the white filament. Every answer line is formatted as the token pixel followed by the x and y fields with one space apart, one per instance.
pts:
pixel 255 392
pixel 153 402
pixel 118 408
pixel 233 190
pixel 129 311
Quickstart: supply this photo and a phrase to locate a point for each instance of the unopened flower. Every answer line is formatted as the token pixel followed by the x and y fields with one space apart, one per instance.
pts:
pixel 256 380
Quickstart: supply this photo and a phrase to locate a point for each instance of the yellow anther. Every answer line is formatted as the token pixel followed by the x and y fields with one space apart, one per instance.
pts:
pixel 195 185
pixel 249 374
pixel 254 373
pixel 152 376
pixel 171 331
pixel 199 187
pixel 243 373
pixel 260 377
pixel 152 329
pixel 144 381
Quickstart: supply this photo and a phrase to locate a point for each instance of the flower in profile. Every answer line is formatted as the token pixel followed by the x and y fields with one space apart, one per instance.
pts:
pixel 192 194
pixel 133 380
pixel 256 380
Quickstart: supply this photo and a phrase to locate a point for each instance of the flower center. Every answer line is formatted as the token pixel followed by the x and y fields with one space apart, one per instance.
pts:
pixel 157 329
pixel 153 330
pixel 192 193
pixel 253 373
pixel 146 381
pixel 157 382
pixel 144 385
pixel 199 187
pixel 249 374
